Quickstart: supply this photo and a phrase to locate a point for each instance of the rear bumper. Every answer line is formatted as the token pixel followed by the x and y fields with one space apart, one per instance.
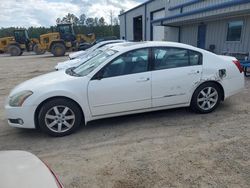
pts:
pixel 233 85
pixel 21 117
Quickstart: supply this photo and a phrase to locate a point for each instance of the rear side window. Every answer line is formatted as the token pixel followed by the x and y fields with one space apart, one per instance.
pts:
pixel 167 58
pixel 195 58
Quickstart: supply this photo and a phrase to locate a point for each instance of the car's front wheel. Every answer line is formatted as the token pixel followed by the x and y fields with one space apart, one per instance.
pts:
pixel 59 117
pixel 206 98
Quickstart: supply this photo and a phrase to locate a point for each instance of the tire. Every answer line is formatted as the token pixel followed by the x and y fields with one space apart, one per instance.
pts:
pixel 14 50
pixel 246 72
pixel 59 117
pixel 21 53
pixel 37 50
pixel 206 98
pixel 58 49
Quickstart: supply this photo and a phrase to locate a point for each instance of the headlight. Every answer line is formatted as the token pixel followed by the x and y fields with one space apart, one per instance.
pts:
pixel 19 98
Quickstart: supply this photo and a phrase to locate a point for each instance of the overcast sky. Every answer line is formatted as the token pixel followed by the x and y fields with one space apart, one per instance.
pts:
pixel 25 13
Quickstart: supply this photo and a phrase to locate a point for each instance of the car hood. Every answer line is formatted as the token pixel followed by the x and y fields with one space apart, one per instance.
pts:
pixel 44 81
pixel 76 54
pixel 23 169
pixel 70 63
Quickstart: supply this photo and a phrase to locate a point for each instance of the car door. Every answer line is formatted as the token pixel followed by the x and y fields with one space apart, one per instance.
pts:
pixel 175 73
pixel 122 85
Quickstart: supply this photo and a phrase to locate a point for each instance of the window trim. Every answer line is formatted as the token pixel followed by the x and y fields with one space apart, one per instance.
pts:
pixel 95 77
pixel 241 34
pixel 179 48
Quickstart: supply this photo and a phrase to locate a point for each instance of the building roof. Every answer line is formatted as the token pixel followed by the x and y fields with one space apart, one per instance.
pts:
pixel 201 10
pixel 136 7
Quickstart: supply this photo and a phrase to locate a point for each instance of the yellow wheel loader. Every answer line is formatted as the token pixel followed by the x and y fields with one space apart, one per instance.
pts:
pixel 61 41
pixel 18 43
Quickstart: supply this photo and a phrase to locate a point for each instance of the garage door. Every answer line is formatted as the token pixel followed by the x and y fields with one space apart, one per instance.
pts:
pixel 158 31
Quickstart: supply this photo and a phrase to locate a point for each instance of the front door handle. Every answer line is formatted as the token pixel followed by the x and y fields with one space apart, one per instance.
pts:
pixel 143 79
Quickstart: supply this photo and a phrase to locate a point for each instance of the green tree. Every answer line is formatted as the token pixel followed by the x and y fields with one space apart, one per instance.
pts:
pixel 90 22
pixel 82 19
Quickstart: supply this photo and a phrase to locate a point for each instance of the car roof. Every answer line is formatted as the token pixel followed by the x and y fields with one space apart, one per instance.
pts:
pixel 110 41
pixel 115 44
pixel 136 45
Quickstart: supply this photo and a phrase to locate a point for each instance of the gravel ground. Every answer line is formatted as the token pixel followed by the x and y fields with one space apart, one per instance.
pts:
pixel 172 148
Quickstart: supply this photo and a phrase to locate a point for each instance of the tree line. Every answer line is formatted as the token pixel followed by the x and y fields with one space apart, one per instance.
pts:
pixel 81 24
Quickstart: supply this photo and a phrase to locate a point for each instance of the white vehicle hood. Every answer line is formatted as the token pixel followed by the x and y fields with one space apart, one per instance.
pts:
pixel 44 81
pixel 23 169
pixel 76 54
pixel 70 63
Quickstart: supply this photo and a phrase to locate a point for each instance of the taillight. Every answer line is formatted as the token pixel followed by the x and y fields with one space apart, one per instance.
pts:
pixel 237 63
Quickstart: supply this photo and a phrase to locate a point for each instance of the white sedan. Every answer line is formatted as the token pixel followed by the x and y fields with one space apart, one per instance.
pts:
pixel 125 79
pixel 25 170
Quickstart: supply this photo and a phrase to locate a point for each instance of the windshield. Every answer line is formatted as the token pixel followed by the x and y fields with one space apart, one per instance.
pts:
pixel 93 63
pixel 94 53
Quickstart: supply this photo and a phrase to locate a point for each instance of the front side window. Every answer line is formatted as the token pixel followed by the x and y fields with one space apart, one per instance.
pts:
pixel 167 58
pixel 234 30
pixel 129 63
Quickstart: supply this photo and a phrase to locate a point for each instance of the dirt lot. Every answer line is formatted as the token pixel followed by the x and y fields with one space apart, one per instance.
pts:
pixel 173 148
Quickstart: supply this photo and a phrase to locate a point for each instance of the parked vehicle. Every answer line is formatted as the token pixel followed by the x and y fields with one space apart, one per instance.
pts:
pixel 246 67
pixel 96 46
pixel 18 43
pixel 126 79
pixel 23 169
pixel 61 41
pixel 82 59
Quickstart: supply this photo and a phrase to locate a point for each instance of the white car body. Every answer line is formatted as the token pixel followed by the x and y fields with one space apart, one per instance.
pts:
pixel 128 94
pixel 23 169
pixel 83 58
pixel 93 48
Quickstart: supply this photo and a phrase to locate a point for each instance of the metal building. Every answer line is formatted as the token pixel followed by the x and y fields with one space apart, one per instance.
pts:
pixel 221 26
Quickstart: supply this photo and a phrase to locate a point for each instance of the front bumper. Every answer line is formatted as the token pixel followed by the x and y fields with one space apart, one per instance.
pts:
pixel 21 117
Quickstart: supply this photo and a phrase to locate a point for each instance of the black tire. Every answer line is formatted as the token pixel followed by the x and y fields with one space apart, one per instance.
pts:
pixel 14 50
pixel 37 50
pixel 58 49
pixel 47 113
pixel 246 72
pixel 197 101
pixel 21 53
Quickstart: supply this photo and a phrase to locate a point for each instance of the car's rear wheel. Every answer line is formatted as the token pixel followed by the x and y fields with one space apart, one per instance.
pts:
pixel 59 117
pixel 206 98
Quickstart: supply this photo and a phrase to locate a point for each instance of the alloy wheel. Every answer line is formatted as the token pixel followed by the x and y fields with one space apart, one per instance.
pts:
pixel 207 98
pixel 60 119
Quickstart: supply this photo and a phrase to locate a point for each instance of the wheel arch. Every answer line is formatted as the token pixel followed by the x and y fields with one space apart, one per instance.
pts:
pixel 50 99
pixel 211 81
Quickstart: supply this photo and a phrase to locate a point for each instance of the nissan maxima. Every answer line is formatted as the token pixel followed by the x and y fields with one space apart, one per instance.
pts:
pixel 125 79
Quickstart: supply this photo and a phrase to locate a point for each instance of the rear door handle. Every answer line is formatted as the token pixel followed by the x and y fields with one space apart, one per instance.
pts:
pixel 143 79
